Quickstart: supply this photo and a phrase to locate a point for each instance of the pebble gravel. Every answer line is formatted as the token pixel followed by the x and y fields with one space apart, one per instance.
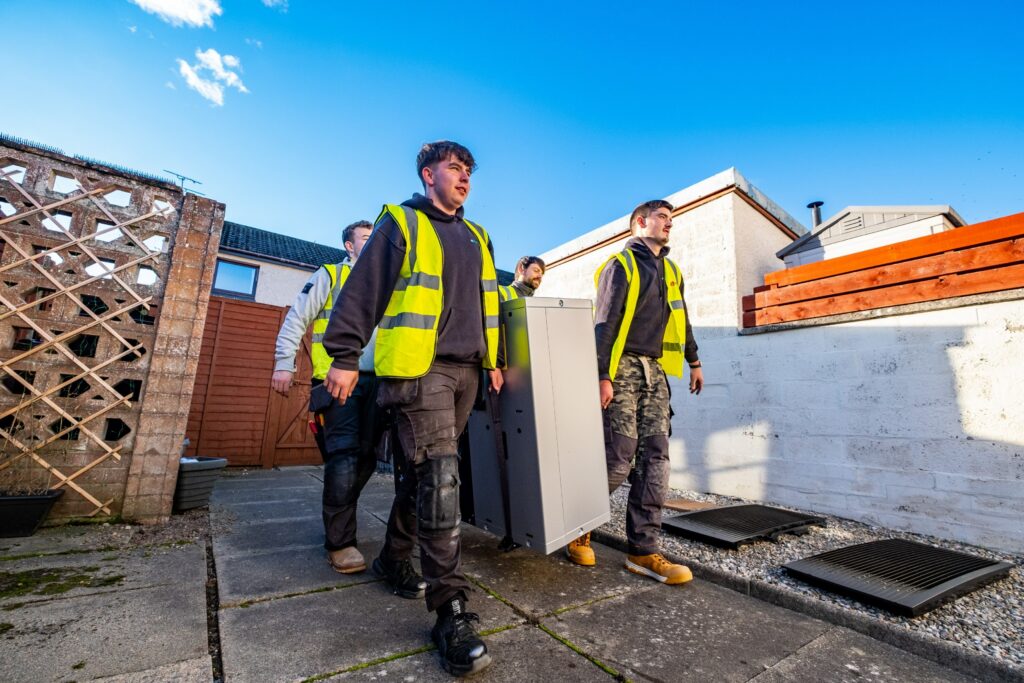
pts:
pixel 989 621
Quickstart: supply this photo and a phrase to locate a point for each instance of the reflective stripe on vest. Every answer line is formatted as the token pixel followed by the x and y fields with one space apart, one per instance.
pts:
pixel 675 331
pixel 507 293
pixel 321 361
pixel 407 334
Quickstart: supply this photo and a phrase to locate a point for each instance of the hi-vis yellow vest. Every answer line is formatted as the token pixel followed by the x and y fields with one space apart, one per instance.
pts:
pixel 321 361
pixel 507 293
pixel 407 334
pixel 675 331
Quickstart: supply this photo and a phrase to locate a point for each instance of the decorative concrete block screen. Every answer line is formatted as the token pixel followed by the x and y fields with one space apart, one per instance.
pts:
pixel 105 275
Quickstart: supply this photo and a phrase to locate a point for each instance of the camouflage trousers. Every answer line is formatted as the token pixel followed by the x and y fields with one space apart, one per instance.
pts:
pixel 636 429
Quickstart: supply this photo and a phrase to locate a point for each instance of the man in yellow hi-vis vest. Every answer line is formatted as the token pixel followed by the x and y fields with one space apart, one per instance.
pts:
pixel 642 332
pixel 529 273
pixel 346 434
pixel 426 280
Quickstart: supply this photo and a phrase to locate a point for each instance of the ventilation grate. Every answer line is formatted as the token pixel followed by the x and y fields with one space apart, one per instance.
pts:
pixel 904 577
pixel 737 524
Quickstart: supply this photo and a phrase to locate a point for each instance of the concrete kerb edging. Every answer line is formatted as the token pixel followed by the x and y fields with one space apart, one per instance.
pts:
pixel 947 654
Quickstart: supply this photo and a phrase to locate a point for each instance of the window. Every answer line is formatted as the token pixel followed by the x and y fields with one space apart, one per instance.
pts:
pixel 235 279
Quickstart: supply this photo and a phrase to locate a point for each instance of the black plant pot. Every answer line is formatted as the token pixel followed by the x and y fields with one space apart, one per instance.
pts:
pixel 22 515
pixel 195 482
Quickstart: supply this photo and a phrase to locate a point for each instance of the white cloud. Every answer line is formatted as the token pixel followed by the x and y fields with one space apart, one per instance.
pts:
pixel 211 74
pixel 133 29
pixel 170 86
pixel 277 4
pixel 258 44
pixel 195 13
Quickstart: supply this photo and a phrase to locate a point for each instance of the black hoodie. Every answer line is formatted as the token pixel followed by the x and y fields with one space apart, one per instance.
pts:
pixel 365 296
pixel 647 332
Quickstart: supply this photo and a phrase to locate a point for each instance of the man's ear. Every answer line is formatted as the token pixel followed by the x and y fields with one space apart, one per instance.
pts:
pixel 427 176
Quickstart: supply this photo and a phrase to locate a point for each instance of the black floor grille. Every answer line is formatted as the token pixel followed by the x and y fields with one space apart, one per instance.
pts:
pixel 737 524
pixel 904 577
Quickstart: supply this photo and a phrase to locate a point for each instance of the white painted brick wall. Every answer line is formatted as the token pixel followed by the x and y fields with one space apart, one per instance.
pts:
pixel 912 421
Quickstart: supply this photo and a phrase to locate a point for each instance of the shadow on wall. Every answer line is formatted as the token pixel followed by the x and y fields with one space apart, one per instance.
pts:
pixel 910 422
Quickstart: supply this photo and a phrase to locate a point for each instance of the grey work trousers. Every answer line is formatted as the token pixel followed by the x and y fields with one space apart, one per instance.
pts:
pixel 430 412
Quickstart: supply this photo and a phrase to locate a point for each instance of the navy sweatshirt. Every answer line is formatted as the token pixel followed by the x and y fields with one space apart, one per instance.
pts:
pixel 647 332
pixel 365 296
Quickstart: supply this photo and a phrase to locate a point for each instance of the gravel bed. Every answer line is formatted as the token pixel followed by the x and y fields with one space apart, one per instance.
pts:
pixel 989 621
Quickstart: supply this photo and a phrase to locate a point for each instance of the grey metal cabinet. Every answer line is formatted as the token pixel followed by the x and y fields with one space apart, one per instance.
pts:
pixel 552 429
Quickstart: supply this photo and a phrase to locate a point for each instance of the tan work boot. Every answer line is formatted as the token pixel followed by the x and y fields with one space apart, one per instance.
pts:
pixel 347 560
pixel 580 552
pixel 658 568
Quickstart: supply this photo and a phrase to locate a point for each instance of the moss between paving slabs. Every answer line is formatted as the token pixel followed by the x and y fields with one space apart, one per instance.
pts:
pixel 391 658
pixel 53 581
pixel 578 650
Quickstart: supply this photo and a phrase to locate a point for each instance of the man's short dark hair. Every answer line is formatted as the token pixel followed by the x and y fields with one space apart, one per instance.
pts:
pixel 646 208
pixel 350 230
pixel 528 261
pixel 442 150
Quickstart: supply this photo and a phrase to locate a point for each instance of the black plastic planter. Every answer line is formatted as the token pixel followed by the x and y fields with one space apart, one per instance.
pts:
pixel 196 477
pixel 22 515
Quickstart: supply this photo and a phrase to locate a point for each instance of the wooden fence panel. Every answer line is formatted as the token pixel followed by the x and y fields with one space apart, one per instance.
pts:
pixel 234 413
pixel 987 257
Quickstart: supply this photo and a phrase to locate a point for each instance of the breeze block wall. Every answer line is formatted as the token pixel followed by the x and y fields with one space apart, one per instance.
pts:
pixel 104 278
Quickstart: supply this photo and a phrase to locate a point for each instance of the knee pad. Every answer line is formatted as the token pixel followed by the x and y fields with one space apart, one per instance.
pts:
pixel 437 504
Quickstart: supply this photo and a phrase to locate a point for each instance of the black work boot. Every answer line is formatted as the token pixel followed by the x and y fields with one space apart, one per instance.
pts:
pixel 462 652
pixel 401 576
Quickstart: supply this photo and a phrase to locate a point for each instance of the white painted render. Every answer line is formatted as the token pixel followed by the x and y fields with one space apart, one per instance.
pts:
pixel 277 284
pixel 913 421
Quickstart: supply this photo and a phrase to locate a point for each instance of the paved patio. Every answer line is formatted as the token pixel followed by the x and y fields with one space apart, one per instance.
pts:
pixel 284 615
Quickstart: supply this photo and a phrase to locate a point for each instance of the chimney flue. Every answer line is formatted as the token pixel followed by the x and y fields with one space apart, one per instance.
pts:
pixel 815 208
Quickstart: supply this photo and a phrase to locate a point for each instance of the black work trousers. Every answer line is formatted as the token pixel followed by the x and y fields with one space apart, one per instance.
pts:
pixel 430 412
pixel 349 433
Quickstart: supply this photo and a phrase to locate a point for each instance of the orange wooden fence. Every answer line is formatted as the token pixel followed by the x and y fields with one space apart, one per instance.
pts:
pixel 985 257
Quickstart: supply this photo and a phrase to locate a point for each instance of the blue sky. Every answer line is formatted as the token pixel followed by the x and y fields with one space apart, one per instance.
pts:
pixel 575 112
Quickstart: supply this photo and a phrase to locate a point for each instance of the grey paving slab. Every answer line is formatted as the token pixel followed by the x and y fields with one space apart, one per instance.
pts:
pixel 54 540
pixel 60 577
pixel 234 474
pixel 262 510
pixel 253 576
pixel 275 535
pixel 264 491
pixel 844 656
pixel 379 493
pixel 308 635
pixel 524 653
pixel 198 670
pixel 541 584
pixel 695 632
pixel 103 634
pixel 278 481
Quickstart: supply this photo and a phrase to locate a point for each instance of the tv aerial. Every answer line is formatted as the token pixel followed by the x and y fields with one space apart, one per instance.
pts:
pixel 182 179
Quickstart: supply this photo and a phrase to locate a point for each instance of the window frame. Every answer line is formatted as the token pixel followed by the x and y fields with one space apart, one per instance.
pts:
pixel 230 293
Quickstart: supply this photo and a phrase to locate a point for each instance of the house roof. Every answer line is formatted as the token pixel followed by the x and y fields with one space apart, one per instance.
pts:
pixel 729 180
pixel 250 241
pixel 254 242
pixel 854 221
